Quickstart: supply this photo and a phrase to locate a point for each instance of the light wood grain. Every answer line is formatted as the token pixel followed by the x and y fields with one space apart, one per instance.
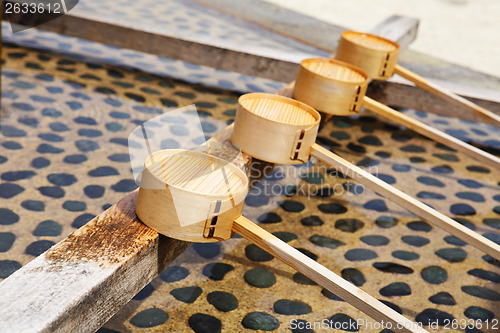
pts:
pixel 375 55
pixel 483 114
pixel 404 200
pixel 323 276
pixel 432 133
pixel 275 128
pixel 190 195
pixel 330 86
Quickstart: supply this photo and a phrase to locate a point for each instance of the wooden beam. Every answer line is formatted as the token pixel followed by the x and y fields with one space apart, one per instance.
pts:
pixel 270 63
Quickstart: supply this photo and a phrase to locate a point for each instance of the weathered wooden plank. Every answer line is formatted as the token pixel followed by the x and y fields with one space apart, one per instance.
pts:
pixel 83 280
pixel 281 66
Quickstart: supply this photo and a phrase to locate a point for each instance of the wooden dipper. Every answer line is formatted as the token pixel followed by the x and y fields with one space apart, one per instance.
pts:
pixel 338 88
pixel 254 136
pixel 378 57
pixel 194 196
pixel 190 195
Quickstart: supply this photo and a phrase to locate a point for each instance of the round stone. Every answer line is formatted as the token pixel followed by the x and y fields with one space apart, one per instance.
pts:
pixel 203 323
pixel 434 274
pixel 222 301
pixel 174 273
pixel 291 307
pixel 260 278
pixel 260 321
pixel 149 318
pixel 186 294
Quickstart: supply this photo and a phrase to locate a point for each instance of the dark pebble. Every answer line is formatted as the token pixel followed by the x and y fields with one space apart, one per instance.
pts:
pixel 149 318
pixel 217 271
pixel 8 217
pixel 354 276
pixel 434 275
pixel 80 220
pixel 481 292
pixel 260 278
pixel 375 240
pixel 33 205
pixel 452 254
pixel 285 236
pixel 7 267
pixel 377 205
pixel 416 241
pixel 38 247
pixel 45 148
pixel 74 206
pixel 405 255
pixel 349 225
pixel 124 185
pixel 9 190
pixel 386 221
pixel 255 253
pixel 432 316
pixel 13 176
pixel 207 250
pixel 396 289
pixel 103 171
pixel 6 241
pixel 62 179
pixel 312 221
pixel 325 241
pixel 346 322
pixel 328 294
pixel 419 226
pixel 452 240
pixel 48 228
pixel 302 279
pixel 485 275
pixel 332 208
pixel 390 267
pixel 442 298
pixel 291 307
pixel 462 209
pixel 478 313
pixel 260 321
pixel 186 294
pixel 360 255
pixel 94 191
pixel 52 191
pixel 203 323
pixel 40 162
pixel 174 273
pixel 292 206
pixel 75 159
pixel 430 181
pixel 144 293
pixel 222 301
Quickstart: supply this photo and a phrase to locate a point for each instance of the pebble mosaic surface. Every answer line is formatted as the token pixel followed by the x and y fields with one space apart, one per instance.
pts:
pixel 64 159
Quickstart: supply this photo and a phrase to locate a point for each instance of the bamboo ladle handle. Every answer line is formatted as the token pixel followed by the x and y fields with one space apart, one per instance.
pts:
pixel 447 95
pixel 432 133
pixel 323 276
pixel 404 200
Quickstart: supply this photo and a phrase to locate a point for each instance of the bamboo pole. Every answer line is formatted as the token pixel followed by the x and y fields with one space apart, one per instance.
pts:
pixel 432 133
pixel 404 200
pixel 485 115
pixel 323 276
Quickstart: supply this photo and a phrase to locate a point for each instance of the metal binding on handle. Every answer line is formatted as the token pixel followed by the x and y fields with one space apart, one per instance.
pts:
pixel 211 221
pixel 386 63
pixel 355 104
pixel 297 144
